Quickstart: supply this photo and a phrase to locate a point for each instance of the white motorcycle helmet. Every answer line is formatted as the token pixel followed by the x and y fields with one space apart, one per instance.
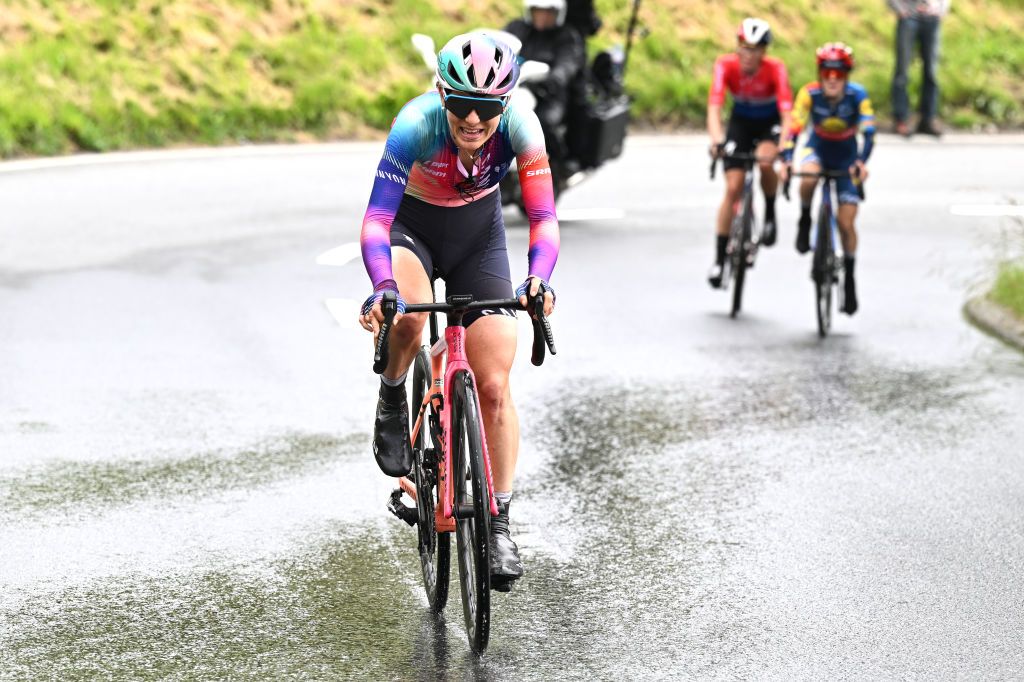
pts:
pixel 557 5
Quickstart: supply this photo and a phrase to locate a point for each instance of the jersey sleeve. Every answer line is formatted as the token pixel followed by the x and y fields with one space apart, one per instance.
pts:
pixel 801 113
pixel 401 150
pixel 867 113
pixel 866 123
pixel 716 96
pixel 527 139
pixel 783 91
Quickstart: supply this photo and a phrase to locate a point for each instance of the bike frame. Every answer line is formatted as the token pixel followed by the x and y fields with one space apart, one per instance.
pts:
pixel 452 348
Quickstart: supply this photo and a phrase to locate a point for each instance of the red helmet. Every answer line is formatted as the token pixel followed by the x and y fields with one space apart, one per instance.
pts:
pixel 835 56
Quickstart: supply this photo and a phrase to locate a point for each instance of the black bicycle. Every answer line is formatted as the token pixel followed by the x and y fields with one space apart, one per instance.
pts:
pixel 741 249
pixel 826 247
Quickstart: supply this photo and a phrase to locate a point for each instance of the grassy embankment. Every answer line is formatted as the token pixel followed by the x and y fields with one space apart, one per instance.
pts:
pixel 1008 290
pixel 114 74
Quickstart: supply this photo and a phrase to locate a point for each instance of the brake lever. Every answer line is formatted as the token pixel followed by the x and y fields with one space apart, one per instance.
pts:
pixel 389 306
pixel 542 335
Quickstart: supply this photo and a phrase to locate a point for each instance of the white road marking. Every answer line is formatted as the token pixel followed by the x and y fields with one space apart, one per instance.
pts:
pixel 344 311
pixel 987 210
pixel 340 255
pixel 581 214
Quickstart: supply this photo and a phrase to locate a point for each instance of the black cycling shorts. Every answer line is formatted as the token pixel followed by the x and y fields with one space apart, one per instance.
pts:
pixel 746 133
pixel 463 245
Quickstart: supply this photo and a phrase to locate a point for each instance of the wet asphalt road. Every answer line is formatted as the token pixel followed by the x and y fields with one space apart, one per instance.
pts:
pixel 187 491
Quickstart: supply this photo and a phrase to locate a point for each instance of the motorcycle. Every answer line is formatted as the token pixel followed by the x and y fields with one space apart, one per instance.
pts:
pixel 596 128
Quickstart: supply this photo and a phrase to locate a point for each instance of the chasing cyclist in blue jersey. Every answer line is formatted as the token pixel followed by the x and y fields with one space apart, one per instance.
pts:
pixel 836 109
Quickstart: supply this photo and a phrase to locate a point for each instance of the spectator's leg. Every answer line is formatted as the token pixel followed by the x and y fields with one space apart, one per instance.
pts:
pixel 929 37
pixel 904 46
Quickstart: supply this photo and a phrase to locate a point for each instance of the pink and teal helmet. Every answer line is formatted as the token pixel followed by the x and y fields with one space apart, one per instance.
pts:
pixel 479 64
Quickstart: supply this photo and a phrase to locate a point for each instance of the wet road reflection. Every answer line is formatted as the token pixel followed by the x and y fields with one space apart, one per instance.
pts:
pixel 714 499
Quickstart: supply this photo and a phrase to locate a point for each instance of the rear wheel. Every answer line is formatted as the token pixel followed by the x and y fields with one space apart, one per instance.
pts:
pixel 823 273
pixel 434 547
pixel 472 527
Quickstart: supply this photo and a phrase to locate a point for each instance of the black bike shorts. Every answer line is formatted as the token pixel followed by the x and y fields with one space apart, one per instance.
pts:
pixel 745 133
pixel 463 245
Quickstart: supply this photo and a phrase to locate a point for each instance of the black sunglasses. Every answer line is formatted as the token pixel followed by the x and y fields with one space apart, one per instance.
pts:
pixel 486 107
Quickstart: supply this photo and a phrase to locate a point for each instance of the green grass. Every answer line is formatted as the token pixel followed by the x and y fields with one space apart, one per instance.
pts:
pixel 97 75
pixel 1008 290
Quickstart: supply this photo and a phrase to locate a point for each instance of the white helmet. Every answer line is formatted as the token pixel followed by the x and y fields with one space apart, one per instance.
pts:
pixel 557 5
pixel 755 32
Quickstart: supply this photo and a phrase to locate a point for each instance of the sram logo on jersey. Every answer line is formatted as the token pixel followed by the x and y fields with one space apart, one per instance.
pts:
pixel 384 175
pixel 542 171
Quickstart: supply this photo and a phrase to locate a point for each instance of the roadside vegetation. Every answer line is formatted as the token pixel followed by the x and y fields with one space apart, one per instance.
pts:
pixel 97 75
pixel 1008 290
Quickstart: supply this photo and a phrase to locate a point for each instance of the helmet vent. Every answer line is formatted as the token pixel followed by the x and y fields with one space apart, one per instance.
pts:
pixel 453 74
pixel 504 84
pixel 471 72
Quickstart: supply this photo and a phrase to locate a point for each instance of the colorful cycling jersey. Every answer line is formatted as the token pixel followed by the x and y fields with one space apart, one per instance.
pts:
pixel 420 159
pixel 753 96
pixel 835 123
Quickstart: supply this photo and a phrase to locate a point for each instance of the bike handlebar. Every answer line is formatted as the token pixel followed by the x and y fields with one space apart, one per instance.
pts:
pixel 830 174
pixel 543 338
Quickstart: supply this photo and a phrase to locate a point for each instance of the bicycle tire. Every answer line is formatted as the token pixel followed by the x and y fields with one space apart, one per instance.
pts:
pixel 434 548
pixel 740 266
pixel 472 532
pixel 824 255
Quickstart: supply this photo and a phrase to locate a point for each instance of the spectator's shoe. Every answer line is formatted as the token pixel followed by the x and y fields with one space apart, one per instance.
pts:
pixel 506 566
pixel 391 446
pixel 803 233
pixel 715 276
pixel 901 128
pixel 849 295
pixel 769 233
pixel 929 127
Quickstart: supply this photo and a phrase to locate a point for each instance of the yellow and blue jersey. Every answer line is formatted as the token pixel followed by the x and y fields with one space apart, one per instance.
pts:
pixel 834 123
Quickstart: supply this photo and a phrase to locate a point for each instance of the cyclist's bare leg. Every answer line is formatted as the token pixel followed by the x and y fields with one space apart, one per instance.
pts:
pixel 807 185
pixel 407 336
pixel 733 191
pixel 769 179
pixel 845 217
pixel 491 348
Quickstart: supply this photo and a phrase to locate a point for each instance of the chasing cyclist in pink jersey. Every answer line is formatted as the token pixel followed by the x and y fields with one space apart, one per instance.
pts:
pixel 435 211
pixel 761 102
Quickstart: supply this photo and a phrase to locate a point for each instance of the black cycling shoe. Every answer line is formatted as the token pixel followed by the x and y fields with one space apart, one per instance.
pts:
pixel 769 232
pixel 803 234
pixel 849 295
pixel 715 275
pixel 391 446
pixel 506 566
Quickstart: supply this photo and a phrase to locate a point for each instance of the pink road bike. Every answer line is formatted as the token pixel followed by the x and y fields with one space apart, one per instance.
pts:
pixel 451 482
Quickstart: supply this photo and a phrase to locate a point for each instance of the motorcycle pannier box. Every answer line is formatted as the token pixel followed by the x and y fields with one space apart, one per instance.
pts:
pixel 603 132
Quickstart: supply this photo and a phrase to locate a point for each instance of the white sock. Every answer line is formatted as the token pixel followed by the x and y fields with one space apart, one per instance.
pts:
pixel 503 498
pixel 394 383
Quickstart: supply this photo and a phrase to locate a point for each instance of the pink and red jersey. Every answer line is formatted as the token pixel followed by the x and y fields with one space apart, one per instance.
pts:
pixel 421 159
pixel 759 95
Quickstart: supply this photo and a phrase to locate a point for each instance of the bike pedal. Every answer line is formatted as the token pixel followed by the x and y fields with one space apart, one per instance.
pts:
pixel 396 507
pixel 501 585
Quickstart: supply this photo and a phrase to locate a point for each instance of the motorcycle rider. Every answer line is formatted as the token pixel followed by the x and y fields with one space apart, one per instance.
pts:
pixel 547 38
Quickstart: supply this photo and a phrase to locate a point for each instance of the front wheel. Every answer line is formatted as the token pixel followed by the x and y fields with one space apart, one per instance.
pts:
pixel 740 236
pixel 472 508
pixel 434 547
pixel 822 273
